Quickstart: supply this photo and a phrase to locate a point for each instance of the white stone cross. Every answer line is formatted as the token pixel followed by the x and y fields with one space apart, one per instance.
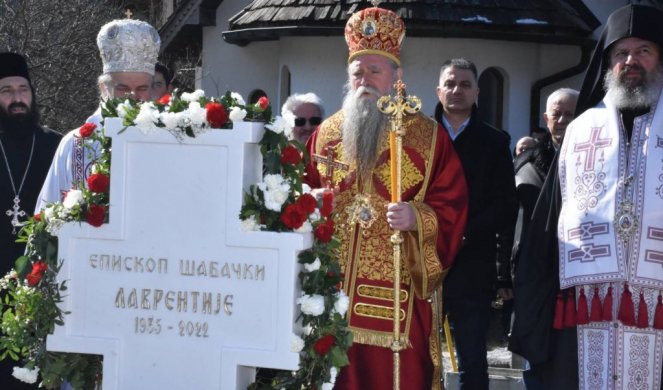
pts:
pixel 171 292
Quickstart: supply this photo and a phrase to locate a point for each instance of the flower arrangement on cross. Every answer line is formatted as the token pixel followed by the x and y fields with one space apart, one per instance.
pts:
pixel 281 202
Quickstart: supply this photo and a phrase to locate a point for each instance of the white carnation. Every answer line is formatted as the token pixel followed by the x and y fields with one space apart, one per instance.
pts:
pixel 274 199
pixel 314 266
pixel 305 228
pixel 123 108
pixel 238 98
pixel 250 224
pixel 172 120
pixel 279 126
pixel 342 302
pixel 306 189
pixel 333 372
pixel 147 117
pixel 296 344
pixel 25 374
pixel 314 216
pixel 193 96
pixel 72 198
pixel 237 114
pixel 273 181
pixel 197 114
pixel 312 305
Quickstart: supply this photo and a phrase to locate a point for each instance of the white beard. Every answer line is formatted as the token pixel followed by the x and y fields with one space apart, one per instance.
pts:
pixel 364 128
pixel 635 97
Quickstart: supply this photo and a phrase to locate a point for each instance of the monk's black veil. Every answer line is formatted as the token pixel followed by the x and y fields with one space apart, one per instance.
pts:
pixel 640 21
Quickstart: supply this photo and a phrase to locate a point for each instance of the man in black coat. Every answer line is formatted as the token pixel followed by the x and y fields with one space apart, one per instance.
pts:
pixel 486 158
pixel 26 151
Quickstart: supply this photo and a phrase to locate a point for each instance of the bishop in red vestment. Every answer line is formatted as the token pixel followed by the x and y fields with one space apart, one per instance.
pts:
pixel 352 152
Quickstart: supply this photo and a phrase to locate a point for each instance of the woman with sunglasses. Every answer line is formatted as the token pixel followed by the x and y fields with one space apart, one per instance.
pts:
pixel 307 111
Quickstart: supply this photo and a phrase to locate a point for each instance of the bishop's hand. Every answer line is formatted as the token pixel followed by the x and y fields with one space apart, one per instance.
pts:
pixel 400 216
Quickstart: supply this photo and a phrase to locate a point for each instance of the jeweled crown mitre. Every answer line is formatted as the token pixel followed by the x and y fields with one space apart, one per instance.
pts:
pixel 128 45
pixel 375 31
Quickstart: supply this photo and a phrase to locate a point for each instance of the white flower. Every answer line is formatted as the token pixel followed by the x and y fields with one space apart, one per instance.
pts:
pixel 275 191
pixel 172 120
pixel 342 302
pixel 25 374
pixel 237 114
pixel 327 386
pixel 314 266
pixel 197 114
pixel 314 216
pixel 296 344
pixel 147 118
pixel 238 98
pixel 306 189
pixel 250 224
pixel 307 330
pixel 123 107
pixel 49 213
pixel 333 372
pixel 305 228
pixel 274 199
pixel 279 126
pixel 312 305
pixel 72 198
pixel 193 96
pixel 273 181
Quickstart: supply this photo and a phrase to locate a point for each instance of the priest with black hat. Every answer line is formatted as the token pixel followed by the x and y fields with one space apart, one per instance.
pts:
pixel 597 230
pixel 26 151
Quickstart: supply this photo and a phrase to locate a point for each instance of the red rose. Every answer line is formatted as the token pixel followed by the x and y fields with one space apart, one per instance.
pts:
pixel 293 216
pixel 263 102
pixel 38 217
pixel 324 231
pixel 95 215
pixel 324 344
pixel 308 203
pixel 290 155
pixel 87 129
pixel 216 114
pixel 38 269
pixel 98 182
pixel 327 204
pixel 165 99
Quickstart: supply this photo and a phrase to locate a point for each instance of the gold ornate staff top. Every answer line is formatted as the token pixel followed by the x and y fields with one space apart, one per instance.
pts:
pixel 397 107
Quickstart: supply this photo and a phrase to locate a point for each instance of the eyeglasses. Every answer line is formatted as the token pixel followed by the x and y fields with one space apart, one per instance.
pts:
pixel 314 121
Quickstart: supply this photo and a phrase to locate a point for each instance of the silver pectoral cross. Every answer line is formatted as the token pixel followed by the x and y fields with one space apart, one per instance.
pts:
pixel 15 212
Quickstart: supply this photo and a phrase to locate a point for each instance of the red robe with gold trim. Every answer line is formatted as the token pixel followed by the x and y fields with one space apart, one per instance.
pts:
pixel 432 181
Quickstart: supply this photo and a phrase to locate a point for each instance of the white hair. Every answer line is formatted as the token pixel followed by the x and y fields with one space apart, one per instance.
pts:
pixel 561 93
pixel 297 99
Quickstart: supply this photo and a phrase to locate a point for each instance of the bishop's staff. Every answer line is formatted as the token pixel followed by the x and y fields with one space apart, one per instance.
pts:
pixel 397 107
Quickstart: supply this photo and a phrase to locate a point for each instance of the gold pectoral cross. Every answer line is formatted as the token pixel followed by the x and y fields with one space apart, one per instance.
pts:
pixel 330 165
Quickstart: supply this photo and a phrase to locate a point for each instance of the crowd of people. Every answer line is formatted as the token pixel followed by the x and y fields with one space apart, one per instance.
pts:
pixel 567 228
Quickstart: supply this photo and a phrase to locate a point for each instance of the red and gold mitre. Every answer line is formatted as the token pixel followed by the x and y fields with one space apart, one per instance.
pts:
pixel 375 31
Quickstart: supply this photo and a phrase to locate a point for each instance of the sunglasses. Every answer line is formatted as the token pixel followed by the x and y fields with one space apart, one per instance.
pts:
pixel 314 121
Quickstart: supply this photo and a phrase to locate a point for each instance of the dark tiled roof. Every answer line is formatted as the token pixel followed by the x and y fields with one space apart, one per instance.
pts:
pixel 559 21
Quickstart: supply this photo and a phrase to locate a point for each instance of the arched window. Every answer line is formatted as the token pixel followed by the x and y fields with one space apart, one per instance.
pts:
pixel 491 97
pixel 255 95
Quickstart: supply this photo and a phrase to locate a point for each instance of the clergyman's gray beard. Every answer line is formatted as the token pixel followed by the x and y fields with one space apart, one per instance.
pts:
pixel 364 127
pixel 641 96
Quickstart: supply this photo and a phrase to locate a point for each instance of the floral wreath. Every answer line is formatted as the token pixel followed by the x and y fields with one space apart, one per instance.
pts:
pixel 281 202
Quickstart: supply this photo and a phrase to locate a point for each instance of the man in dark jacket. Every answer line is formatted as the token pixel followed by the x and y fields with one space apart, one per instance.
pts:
pixel 486 158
